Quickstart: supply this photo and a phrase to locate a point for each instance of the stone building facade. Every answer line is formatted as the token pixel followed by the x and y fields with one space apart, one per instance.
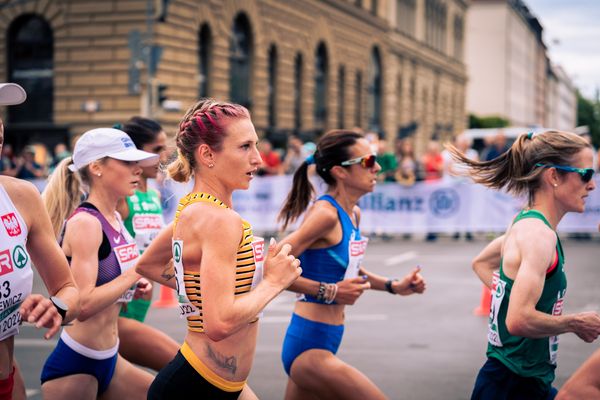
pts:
pixel 511 75
pixel 393 66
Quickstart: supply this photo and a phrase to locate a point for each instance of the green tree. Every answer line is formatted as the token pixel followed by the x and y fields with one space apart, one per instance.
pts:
pixel 490 121
pixel 588 113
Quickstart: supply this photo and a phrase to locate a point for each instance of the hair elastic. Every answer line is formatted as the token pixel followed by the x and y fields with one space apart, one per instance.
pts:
pixel 530 135
pixel 310 159
pixel 118 126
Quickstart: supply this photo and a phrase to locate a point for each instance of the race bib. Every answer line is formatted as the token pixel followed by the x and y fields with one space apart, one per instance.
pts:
pixel 356 250
pixel 16 280
pixel 557 309
pixel 127 256
pixel 186 308
pixel 258 251
pixel 498 291
pixel 146 227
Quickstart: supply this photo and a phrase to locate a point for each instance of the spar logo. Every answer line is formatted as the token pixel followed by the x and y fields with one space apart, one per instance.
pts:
pixel 258 248
pixel 6 265
pixel 11 224
pixel 177 251
pixel 20 256
pixel 444 202
pixel 142 221
pixel 357 248
pixel 126 252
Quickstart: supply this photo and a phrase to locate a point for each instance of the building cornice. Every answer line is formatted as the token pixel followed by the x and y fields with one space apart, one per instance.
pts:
pixel 357 12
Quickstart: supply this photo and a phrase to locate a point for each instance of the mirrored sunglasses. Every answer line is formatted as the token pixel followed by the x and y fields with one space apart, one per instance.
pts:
pixel 367 161
pixel 586 174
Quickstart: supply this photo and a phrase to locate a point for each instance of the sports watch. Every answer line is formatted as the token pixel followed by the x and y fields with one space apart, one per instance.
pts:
pixel 61 307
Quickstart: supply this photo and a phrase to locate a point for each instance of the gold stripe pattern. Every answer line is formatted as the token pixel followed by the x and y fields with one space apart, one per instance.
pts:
pixel 244 270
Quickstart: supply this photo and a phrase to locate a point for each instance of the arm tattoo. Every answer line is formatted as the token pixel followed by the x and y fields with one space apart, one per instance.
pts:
pixel 224 362
pixel 168 273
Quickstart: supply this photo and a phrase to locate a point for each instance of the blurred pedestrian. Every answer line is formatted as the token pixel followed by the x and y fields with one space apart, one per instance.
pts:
pixel 408 166
pixel 7 163
pixel 271 160
pixel 28 240
pixel 27 168
pixel 497 147
pixel 294 155
pixel 555 170
pixel 455 171
pixel 433 168
pixel 331 248
pixel 85 363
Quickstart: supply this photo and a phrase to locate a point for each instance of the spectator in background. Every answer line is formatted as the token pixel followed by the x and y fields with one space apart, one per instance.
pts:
pixel 294 156
pixel 7 164
pixel 271 160
pixel 497 147
pixel 385 159
pixel 452 168
pixel 433 163
pixel 433 167
pixel 27 168
pixel 455 170
pixel 60 153
pixel 406 172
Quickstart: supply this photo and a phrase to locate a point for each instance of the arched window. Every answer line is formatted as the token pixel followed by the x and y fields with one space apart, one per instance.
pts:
pixel 374 92
pixel 341 96
pixel 204 58
pixel 31 65
pixel 272 87
pixel 321 82
pixel 358 99
pixel 240 61
pixel 298 71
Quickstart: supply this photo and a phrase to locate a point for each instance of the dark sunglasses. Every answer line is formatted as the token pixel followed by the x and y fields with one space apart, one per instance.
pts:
pixel 585 173
pixel 367 161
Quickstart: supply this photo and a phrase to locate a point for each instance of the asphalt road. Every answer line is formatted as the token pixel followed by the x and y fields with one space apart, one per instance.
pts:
pixel 418 347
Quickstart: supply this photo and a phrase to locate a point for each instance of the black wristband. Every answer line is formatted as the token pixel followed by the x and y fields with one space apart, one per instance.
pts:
pixel 61 307
pixel 388 285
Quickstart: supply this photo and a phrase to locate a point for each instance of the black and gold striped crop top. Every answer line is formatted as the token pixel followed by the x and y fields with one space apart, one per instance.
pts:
pixel 244 269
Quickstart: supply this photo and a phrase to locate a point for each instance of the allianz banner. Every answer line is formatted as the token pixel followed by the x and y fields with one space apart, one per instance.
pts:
pixel 452 205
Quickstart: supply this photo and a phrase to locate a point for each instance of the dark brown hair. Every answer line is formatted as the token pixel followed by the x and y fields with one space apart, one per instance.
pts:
pixel 332 149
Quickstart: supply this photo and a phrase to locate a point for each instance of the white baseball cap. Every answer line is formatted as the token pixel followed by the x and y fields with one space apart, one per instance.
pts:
pixel 11 94
pixel 108 142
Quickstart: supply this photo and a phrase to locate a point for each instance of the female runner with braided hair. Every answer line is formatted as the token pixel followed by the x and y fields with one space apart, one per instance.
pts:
pixel 212 244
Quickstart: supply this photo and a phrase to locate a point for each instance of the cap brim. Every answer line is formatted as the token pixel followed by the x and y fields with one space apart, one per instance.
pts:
pixel 144 158
pixel 11 94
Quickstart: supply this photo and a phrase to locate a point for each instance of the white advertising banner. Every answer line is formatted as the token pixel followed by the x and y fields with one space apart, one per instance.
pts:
pixel 452 205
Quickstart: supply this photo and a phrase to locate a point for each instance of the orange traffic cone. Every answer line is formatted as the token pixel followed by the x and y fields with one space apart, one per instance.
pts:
pixel 484 305
pixel 166 298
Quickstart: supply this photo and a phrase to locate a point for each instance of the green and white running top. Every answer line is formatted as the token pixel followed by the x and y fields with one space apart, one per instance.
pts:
pixel 145 218
pixel 525 356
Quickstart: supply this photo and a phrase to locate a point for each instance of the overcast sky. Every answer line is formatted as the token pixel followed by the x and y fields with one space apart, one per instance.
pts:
pixel 572 35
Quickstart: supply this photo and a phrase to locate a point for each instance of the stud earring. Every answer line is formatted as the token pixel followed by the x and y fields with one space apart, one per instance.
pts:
pixel 99 174
pixel 555 185
pixel 211 165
